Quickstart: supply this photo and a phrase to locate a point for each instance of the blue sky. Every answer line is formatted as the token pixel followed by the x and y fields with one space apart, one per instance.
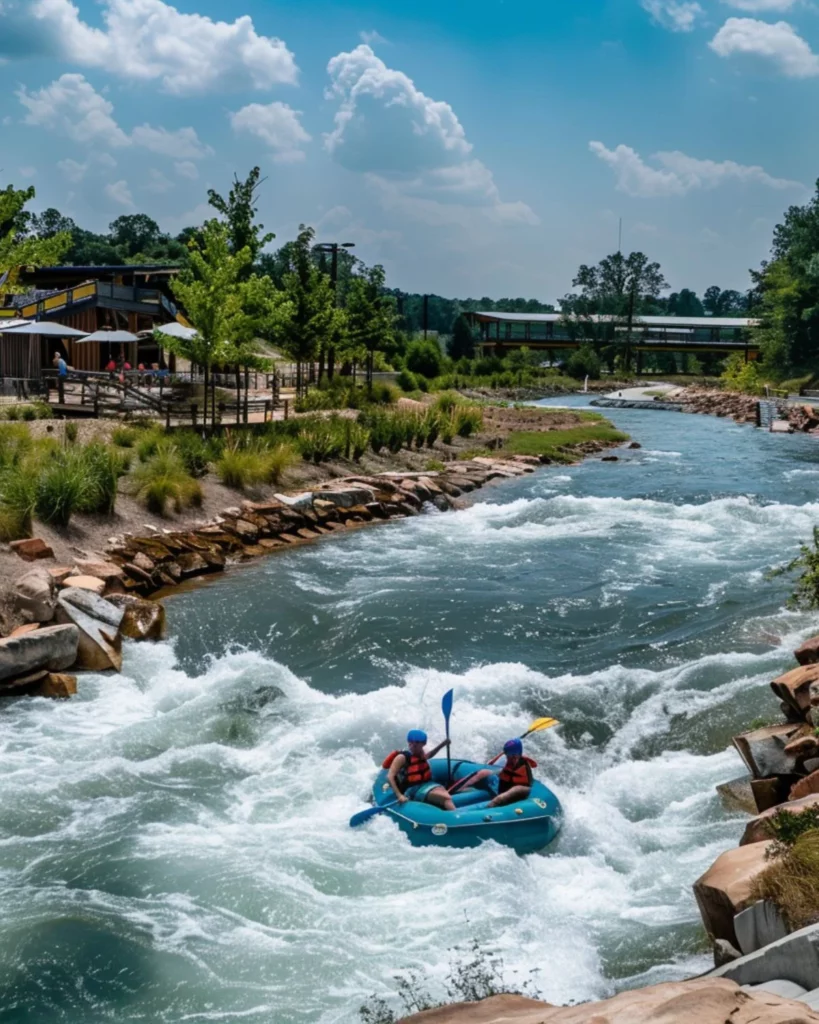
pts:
pixel 475 148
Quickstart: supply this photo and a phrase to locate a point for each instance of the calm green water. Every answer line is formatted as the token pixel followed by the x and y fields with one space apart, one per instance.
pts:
pixel 173 843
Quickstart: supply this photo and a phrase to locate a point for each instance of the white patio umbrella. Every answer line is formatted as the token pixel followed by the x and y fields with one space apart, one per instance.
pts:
pixel 45 328
pixel 104 335
pixel 177 330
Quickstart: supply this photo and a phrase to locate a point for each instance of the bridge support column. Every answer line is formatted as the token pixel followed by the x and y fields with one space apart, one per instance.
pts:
pixel 639 362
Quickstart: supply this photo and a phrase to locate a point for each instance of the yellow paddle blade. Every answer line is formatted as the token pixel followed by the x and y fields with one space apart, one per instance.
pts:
pixel 540 724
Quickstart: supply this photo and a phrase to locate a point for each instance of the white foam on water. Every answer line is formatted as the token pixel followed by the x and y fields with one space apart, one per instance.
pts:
pixel 249 875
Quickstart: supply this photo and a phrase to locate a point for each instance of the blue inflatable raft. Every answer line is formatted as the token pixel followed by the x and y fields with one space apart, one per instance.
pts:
pixel 526 826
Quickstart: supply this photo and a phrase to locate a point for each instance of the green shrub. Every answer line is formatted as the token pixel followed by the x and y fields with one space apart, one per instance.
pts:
pixel 806 590
pixel 584 363
pixel 785 828
pixel 434 466
pixel 194 451
pixel 243 465
pixel 424 357
pixel 162 480
pixel 13 412
pixel 406 381
pixel 72 430
pixel 421 383
pixel 17 499
pixel 741 376
pixel 62 487
pixel 447 402
pixel 792 880
pixel 467 420
pixel 104 466
pixel 42 410
pixel 321 439
pixel 15 442
pixel 149 443
pixel 124 437
pixel 28 413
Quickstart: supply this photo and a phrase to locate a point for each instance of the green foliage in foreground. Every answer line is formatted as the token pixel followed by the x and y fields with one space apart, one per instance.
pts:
pixel 786 827
pixel 792 879
pixel 553 443
pixel 806 590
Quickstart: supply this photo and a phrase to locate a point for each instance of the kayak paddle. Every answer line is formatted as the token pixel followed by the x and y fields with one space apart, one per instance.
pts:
pixel 446 707
pixel 537 726
pixel 370 812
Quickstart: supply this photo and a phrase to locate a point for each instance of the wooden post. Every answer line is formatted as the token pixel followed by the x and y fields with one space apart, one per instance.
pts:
pixel 194 408
pixel 168 416
pixel 268 411
pixel 61 389
pixel 287 408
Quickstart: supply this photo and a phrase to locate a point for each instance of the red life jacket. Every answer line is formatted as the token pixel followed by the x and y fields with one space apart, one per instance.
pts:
pixel 416 770
pixel 520 775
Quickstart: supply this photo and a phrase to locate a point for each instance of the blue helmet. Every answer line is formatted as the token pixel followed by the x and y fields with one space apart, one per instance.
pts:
pixel 416 736
pixel 514 747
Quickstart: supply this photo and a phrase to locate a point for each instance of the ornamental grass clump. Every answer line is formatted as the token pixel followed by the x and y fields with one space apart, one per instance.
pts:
pixel 63 486
pixel 467 420
pixel 17 499
pixel 162 481
pixel 321 439
pixel 792 879
pixel 149 442
pixel 124 437
pixel 104 466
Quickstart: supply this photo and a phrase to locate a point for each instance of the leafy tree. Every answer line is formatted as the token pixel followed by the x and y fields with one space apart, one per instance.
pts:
pixel 370 315
pixel 684 303
pixel 620 286
pixel 724 303
pixel 17 251
pixel 462 341
pixel 209 290
pixel 310 294
pixel 50 223
pixel 239 210
pixel 584 362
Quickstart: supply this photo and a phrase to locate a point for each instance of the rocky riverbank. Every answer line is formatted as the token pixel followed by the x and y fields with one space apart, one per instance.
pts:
pixel 75 615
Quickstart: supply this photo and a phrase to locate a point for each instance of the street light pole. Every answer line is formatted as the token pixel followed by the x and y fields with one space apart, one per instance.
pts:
pixel 332 248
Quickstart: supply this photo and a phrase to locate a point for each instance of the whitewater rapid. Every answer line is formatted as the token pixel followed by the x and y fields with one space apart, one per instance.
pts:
pixel 175 843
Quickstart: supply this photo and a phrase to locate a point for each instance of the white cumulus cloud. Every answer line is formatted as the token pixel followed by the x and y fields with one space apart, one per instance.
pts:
pixel 186 169
pixel 183 143
pixel 756 6
pixel 411 146
pixel 676 15
pixel 278 127
pixel 677 173
pixel 779 43
pixel 149 40
pixel 72 106
pixel 120 193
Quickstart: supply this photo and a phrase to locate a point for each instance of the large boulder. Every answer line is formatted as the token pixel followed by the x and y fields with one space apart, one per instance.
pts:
pixel 763 750
pixel 348 496
pixel 808 652
pixel 98 622
pixel 756 831
pixel 759 925
pixel 52 647
pixel 794 687
pixel 99 568
pixel 792 958
pixel 701 1001
pixel 142 619
pixel 805 787
pixel 725 888
pixel 737 795
pixel 34 595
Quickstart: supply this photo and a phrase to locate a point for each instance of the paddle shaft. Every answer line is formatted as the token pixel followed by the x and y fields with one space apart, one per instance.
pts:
pixel 462 783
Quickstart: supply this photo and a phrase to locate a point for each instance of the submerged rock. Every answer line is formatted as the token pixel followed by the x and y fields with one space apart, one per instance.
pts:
pixel 142 619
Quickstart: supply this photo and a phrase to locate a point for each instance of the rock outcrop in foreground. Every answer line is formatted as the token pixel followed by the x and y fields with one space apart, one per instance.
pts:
pixel 706 1001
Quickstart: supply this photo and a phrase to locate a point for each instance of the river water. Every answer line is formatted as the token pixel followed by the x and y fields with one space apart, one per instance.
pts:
pixel 174 842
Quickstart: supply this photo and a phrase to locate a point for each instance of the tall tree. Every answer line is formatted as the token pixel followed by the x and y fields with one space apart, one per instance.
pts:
pixel 724 303
pixel 313 310
pixel 239 211
pixel 684 303
pixel 210 292
pixel 462 341
pixel 621 286
pixel 370 315
pixel 17 251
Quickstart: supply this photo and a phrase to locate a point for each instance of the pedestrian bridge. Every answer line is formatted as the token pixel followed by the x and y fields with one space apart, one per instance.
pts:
pixel 648 333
